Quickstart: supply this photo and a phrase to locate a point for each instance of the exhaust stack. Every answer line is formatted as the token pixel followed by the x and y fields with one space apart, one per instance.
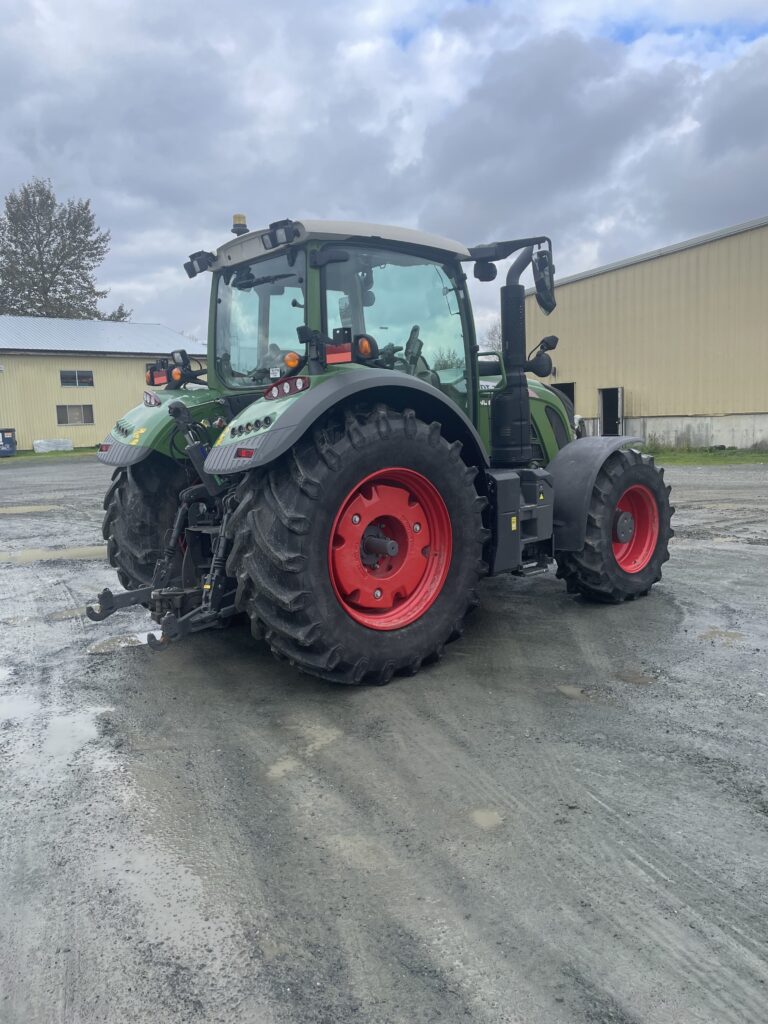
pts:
pixel 510 408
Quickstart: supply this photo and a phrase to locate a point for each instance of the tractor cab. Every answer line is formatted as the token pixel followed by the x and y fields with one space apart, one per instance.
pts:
pixel 403 291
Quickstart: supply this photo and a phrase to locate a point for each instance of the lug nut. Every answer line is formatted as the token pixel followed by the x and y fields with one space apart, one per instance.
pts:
pixel 417 527
pixel 377 594
pixel 355 518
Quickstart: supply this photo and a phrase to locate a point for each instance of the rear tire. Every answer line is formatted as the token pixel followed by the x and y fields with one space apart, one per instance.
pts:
pixel 140 507
pixel 621 560
pixel 286 534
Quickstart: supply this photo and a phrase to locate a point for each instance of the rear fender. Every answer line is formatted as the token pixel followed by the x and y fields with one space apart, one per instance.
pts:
pixel 148 428
pixel 574 470
pixel 292 418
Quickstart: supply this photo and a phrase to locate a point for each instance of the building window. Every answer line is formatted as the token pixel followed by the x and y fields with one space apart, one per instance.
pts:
pixel 74 415
pixel 76 378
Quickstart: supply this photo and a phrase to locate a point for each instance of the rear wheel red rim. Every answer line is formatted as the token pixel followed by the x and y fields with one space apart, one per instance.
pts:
pixel 633 553
pixel 386 592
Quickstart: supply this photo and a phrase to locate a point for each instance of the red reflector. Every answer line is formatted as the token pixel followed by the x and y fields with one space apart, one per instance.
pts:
pixel 244 453
pixel 104 447
pixel 338 353
pixel 159 377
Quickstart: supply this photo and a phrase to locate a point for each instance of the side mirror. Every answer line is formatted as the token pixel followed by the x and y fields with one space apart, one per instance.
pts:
pixel 549 344
pixel 489 364
pixel 544 280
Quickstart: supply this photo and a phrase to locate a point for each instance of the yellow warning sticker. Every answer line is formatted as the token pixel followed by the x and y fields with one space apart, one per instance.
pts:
pixel 513 523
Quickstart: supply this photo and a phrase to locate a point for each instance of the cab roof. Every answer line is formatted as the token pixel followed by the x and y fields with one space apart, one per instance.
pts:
pixel 250 246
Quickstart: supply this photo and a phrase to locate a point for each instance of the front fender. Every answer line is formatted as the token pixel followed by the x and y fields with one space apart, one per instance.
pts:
pixel 294 416
pixel 148 428
pixel 574 470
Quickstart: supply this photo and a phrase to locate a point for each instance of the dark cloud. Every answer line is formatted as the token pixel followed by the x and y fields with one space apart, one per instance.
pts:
pixel 463 118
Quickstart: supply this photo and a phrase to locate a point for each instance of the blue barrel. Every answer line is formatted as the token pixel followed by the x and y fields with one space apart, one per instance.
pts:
pixel 7 442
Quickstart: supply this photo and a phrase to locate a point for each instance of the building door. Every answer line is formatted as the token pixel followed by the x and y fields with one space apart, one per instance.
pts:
pixel 611 411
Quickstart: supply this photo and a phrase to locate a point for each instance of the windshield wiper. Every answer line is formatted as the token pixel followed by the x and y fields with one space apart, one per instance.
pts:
pixel 254 282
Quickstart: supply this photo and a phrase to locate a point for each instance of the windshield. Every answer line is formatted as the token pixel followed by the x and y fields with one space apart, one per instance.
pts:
pixel 258 308
pixel 387 294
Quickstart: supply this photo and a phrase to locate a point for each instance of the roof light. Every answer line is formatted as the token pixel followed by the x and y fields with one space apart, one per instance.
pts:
pixel 291 360
pixel 239 227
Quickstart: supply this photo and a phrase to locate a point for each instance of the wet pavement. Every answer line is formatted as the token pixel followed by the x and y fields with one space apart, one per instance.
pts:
pixel 566 820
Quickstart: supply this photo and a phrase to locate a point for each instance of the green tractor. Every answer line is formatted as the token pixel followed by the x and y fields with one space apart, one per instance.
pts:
pixel 349 465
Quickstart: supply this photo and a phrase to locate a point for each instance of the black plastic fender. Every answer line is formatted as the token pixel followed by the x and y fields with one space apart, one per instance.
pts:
pixel 574 470
pixel 393 388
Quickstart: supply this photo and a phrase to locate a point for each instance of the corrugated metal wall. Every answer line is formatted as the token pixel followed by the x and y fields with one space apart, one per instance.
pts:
pixel 683 334
pixel 30 390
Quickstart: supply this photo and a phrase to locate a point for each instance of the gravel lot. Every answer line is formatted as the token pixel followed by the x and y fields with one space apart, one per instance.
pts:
pixel 566 820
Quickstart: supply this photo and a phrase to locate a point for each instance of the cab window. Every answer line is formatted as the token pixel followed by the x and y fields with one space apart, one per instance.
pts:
pixel 387 294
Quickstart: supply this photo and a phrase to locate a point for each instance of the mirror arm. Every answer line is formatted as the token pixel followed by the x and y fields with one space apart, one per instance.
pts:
pixel 520 264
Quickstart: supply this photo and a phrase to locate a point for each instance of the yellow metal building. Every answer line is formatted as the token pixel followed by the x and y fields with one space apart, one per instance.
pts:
pixel 72 379
pixel 671 345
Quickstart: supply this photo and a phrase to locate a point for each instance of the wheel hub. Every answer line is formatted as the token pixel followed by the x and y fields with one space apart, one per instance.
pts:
pixel 623 526
pixel 390 548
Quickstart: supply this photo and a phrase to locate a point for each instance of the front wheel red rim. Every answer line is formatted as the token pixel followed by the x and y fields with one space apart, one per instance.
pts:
pixel 635 528
pixel 401 514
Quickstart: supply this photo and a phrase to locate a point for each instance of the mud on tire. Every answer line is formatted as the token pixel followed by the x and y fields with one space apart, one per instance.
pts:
pixel 140 507
pixel 280 554
pixel 595 572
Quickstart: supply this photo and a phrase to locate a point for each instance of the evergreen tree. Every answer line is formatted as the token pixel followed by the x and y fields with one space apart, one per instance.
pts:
pixel 49 252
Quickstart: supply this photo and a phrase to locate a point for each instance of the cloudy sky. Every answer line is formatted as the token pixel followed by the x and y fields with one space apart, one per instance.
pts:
pixel 613 127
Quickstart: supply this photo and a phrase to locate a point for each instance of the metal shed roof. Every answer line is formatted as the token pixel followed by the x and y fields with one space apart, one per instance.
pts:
pixel 689 243
pixel 55 334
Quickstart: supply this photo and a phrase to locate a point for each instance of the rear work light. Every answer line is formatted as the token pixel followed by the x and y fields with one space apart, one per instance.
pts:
pixel 286 388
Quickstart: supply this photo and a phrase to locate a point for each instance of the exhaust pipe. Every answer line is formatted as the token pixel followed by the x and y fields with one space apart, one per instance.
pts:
pixel 510 408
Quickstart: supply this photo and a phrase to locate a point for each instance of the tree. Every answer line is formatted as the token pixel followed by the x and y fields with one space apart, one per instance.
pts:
pixel 492 337
pixel 447 359
pixel 48 254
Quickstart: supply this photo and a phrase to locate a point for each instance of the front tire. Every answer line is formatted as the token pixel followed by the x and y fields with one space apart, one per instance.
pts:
pixel 628 532
pixel 305 575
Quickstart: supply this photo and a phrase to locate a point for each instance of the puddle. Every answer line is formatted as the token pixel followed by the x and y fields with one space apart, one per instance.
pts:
pixel 17 707
pixel 573 692
pixel 486 818
pixel 66 734
pixel 20 510
pixel 282 767
pixel 635 676
pixel 117 643
pixel 96 551
pixel 728 636
pixel 65 613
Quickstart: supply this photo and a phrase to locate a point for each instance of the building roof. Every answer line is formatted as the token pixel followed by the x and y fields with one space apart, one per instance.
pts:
pixel 690 243
pixel 55 334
